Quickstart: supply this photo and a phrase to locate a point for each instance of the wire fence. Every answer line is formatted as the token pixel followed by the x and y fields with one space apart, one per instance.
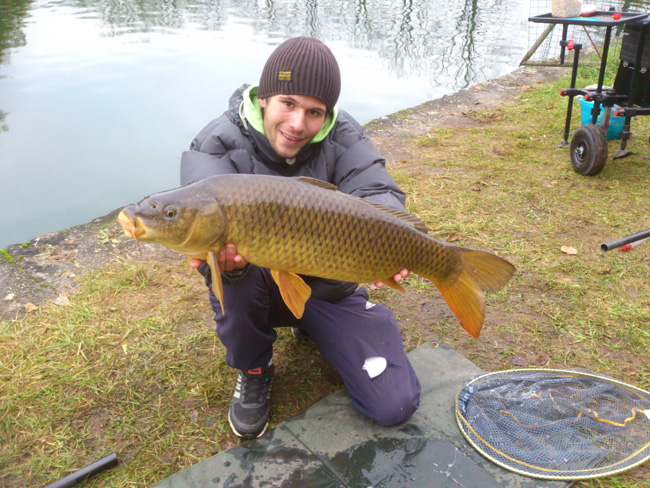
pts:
pixel 544 39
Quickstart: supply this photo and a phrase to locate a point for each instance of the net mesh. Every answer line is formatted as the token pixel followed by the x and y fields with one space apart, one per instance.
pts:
pixel 556 424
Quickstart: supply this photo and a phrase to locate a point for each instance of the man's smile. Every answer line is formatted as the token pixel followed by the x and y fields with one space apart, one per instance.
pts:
pixel 290 138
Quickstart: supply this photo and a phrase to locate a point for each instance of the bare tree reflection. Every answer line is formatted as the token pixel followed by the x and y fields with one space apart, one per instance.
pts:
pixel 444 41
pixel 12 18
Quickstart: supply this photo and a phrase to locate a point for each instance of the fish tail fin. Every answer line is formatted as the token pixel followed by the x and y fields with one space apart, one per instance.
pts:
pixel 482 272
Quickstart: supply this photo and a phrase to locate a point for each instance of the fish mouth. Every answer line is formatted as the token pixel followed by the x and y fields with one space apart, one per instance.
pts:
pixel 128 224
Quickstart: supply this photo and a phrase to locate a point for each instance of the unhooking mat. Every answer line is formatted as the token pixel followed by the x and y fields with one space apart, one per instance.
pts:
pixel 331 445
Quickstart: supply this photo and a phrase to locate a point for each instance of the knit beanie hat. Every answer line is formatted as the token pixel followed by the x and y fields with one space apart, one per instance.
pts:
pixel 302 66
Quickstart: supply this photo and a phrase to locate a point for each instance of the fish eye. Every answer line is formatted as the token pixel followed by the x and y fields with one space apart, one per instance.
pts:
pixel 170 212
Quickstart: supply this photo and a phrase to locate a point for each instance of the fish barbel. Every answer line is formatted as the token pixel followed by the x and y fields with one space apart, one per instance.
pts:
pixel 305 226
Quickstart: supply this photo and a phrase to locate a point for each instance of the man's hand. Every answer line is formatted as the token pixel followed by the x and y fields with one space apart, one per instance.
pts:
pixel 227 259
pixel 398 277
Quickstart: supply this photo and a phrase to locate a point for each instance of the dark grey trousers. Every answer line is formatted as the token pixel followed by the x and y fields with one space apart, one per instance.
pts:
pixel 347 332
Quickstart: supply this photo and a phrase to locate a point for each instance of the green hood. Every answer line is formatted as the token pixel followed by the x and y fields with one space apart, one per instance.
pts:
pixel 250 110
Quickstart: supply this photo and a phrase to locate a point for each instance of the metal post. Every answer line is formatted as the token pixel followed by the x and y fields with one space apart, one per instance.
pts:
pixel 574 73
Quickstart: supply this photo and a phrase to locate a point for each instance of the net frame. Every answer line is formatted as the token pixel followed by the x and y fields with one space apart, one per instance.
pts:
pixel 641 455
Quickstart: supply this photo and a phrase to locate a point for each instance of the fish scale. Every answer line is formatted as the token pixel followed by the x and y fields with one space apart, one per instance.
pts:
pixel 325 233
pixel 301 226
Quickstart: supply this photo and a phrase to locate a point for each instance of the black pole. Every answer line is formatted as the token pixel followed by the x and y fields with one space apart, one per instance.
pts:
pixel 608 246
pixel 565 29
pixel 90 470
pixel 574 75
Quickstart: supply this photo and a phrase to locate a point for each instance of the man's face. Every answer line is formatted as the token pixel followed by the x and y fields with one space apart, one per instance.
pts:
pixel 291 121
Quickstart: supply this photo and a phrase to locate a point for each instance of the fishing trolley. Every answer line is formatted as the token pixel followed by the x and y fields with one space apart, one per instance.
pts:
pixel 611 108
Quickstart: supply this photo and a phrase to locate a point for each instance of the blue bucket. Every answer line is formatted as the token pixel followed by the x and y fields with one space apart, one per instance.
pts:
pixel 615 122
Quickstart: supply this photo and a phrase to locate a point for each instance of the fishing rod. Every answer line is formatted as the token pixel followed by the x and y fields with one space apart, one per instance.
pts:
pixel 633 239
pixel 86 472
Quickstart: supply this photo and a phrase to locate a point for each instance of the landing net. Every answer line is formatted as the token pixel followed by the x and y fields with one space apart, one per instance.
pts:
pixel 556 424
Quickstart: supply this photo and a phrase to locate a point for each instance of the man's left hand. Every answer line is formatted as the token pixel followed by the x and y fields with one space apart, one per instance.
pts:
pixel 398 277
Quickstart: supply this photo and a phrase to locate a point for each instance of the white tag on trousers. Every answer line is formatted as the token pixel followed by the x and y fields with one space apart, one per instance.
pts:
pixel 375 366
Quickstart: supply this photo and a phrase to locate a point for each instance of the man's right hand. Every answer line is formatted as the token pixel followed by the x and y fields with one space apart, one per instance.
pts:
pixel 227 259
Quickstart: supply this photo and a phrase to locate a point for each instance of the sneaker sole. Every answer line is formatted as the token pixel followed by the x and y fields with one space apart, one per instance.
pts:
pixel 246 436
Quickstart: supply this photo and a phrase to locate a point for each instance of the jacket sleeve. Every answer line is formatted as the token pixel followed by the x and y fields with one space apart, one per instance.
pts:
pixel 212 151
pixel 361 169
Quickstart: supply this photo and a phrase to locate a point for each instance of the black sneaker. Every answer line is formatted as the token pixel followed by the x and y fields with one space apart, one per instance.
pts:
pixel 249 410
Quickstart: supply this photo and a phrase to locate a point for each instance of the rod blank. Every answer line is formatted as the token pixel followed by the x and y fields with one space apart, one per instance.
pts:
pixel 86 472
pixel 608 246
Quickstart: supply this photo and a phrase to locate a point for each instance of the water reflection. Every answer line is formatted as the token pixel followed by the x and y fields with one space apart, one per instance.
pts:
pixel 12 15
pixel 412 37
pixel 98 98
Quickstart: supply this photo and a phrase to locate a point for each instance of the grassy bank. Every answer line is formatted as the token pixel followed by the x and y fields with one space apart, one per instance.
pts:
pixel 132 366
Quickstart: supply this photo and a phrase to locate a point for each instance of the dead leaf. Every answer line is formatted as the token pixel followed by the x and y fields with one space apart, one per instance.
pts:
pixel 61 301
pixel 194 415
pixel 569 250
pixel 549 184
pixel 549 106
pixel 452 237
pixel 476 188
pixel 30 307
pixel 542 359
pixel 519 361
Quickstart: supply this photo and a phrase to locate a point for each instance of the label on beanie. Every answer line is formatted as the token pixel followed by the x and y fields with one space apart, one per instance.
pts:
pixel 284 76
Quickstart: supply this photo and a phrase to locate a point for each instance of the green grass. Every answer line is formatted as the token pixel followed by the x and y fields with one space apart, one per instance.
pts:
pixel 131 365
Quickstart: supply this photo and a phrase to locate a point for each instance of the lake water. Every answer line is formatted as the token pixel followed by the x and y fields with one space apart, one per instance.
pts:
pixel 99 98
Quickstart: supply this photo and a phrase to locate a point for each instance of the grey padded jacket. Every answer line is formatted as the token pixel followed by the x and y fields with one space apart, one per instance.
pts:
pixel 345 158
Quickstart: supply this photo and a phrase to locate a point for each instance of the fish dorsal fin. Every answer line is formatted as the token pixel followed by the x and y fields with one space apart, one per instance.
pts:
pixel 318 183
pixel 217 285
pixel 295 292
pixel 410 219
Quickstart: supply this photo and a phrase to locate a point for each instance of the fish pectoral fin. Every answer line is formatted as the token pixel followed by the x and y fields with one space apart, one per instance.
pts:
pixel 295 292
pixel 393 284
pixel 217 285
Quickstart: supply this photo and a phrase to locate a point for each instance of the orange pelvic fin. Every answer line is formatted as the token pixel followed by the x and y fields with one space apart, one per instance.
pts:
pixel 482 272
pixel 217 285
pixel 295 292
pixel 392 283
pixel 190 271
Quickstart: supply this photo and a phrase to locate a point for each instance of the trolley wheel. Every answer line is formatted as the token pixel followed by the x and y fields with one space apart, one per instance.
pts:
pixel 589 150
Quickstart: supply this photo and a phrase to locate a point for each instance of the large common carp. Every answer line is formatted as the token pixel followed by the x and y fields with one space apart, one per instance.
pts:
pixel 304 226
